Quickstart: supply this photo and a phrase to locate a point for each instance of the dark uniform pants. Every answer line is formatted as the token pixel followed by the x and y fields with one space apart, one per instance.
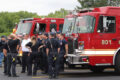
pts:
pixel 61 60
pixel 45 63
pixel 32 59
pixel 11 63
pixel 53 65
pixel 24 61
pixel 39 61
pixel 5 65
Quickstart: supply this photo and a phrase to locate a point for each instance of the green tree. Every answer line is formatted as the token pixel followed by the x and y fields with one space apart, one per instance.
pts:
pixel 58 14
pixel 8 19
pixel 97 3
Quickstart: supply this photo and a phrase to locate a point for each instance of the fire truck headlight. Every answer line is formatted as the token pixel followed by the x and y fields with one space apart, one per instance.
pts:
pixel 81 45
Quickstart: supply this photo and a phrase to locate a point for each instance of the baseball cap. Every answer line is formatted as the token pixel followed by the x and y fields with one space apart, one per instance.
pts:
pixel 3 36
pixel 58 32
pixel 52 33
pixel 46 34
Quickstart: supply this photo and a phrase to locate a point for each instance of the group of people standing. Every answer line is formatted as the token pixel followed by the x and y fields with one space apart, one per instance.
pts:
pixel 45 51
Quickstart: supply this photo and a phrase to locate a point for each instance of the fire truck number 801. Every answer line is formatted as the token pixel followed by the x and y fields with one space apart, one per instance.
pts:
pixel 106 42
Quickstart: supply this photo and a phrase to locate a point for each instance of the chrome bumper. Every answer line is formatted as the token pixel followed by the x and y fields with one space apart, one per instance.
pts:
pixel 76 59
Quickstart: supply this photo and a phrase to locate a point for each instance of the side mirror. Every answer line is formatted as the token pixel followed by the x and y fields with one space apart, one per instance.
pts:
pixel 37 28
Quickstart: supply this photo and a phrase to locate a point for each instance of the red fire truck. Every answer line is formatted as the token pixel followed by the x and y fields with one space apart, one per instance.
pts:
pixel 33 26
pixel 94 38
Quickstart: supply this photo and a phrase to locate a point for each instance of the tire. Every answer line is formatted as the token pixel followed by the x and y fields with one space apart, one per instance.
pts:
pixel 96 69
pixel 117 63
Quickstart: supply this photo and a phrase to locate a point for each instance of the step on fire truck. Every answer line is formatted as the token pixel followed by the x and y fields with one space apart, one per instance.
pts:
pixel 94 38
pixel 33 26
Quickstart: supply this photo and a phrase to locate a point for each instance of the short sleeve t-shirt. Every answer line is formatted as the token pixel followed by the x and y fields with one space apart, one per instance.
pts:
pixel 2 43
pixel 6 48
pixel 23 45
pixel 53 44
pixel 12 45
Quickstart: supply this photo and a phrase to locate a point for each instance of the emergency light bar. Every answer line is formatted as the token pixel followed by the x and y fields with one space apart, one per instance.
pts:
pixel 26 19
pixel 53 20
pixel 86 10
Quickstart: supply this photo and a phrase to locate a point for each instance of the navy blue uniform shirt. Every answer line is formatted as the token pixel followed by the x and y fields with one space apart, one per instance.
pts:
pixel 40 41
pixel 6 47
pixel 62 44
pixel 55 44
pixel 45 44
pixel 2 43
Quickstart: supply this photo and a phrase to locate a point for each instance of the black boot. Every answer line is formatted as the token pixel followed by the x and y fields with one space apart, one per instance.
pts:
pixel 22 71
pixel 34 74
pixel 9 75
pixel 15 76
pixel 50 77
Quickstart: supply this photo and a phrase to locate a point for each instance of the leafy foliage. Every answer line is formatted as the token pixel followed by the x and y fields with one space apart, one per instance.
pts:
pixel 8 19
pixel 58 14
pixel 97 3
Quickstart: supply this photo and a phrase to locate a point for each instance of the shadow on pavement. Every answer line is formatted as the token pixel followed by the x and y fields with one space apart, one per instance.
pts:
pixel 87 74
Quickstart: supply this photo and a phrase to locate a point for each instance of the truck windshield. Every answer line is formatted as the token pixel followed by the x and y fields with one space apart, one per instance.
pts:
pixel 68 25
pixel 24 28
pixel 84 24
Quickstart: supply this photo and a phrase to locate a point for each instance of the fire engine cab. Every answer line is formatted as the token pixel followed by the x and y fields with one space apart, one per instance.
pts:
pixel 33 26
pixel 94 38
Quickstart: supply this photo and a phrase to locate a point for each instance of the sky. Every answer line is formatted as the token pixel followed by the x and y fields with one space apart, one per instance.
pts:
pixel 41 7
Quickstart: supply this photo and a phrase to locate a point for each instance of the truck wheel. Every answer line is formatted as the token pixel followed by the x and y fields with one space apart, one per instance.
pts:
pixel 96 69
pixel 71 66
pixel 117 64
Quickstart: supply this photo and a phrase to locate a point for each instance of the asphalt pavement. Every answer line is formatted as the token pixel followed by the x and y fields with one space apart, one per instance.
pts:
pixel 69 74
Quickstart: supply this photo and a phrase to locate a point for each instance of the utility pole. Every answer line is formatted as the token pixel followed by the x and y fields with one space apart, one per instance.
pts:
pixel 63 14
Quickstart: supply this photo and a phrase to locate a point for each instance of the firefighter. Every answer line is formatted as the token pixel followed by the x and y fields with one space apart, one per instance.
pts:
pixel 63 51
pixel 45 58
pixel 40 51
pixel 2 43
pixel 13 46
pixel 40 37
pixel 32 56
pixel 5 50
pixel 57 35
pixel 25 52
pixel 52 51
